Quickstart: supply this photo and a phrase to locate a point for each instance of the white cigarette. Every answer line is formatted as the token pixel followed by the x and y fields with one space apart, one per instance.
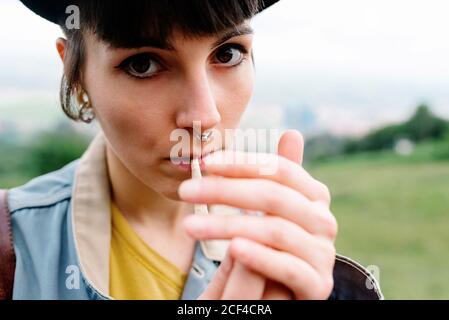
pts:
pixel 200 209
pixel 212 249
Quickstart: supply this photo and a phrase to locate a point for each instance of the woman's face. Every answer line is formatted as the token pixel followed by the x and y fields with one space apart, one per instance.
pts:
pixel 141 95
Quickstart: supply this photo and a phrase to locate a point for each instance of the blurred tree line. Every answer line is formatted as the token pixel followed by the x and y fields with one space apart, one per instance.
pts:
pixel 423 127
pixel 23 156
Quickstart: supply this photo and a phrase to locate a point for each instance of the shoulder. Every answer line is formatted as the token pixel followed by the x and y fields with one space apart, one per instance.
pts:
pixel 43 191
pixel 40 211
pixel 42 235
pixel 354 282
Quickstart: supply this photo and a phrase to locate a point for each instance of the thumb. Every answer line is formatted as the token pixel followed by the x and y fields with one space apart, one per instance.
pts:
pixel 252 283
pixel 291 146
pixel 215 288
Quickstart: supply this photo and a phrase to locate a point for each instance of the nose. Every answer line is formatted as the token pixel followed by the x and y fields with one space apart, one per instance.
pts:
pixel 197 103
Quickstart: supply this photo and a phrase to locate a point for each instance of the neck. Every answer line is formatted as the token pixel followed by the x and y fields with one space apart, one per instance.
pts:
pixel 138 202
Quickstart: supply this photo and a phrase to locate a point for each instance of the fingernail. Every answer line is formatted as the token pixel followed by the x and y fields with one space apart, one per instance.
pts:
pixel 189 188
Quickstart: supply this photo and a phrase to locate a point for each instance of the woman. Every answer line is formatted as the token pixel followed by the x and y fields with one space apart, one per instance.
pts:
pixel 118 223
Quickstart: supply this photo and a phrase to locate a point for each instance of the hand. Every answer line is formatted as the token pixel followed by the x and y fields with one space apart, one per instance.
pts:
pixel 226 284
pixel 228 279
pixel 293 244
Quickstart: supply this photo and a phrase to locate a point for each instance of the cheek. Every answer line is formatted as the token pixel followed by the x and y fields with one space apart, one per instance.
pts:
pixel 129 114
pixel 236 94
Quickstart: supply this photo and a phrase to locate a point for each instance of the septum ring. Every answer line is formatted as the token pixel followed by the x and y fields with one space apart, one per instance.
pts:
pixel 204 137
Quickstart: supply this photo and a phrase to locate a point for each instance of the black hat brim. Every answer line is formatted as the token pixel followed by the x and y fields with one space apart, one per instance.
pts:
pixel 55 10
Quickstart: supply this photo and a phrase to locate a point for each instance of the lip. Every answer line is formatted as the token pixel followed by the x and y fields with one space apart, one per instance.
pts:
pixel 184 163
pixel 188 159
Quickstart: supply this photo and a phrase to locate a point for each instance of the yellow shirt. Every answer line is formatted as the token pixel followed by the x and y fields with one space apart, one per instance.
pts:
pixel 136 270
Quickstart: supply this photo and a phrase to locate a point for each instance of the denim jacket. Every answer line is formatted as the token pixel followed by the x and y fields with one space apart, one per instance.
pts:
pixel 61 225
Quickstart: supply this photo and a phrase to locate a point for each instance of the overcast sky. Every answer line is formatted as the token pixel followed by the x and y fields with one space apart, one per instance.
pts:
pixel 355 63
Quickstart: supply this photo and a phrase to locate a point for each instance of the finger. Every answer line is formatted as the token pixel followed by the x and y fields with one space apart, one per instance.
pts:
pixel 291 146
pixel 274 232
pixel 216 286
pixel 262 195
pixel 277 291
pixel 266 166
pixel 284 268
pixel 243 284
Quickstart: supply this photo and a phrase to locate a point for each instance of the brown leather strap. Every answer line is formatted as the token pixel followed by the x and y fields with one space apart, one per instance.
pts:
pixel 7 255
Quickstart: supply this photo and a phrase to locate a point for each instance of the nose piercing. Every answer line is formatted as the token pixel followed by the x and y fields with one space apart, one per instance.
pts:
pixel 204 137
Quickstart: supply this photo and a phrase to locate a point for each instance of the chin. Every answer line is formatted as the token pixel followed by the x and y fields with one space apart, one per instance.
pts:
pixel 170 190
pixel 172 195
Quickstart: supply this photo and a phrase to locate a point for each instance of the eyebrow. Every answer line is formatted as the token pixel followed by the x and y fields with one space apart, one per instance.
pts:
pixel 141 43
pixel 154 43
pixel 238 31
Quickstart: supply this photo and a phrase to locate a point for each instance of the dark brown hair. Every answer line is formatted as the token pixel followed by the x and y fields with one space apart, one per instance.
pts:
pixel 125 24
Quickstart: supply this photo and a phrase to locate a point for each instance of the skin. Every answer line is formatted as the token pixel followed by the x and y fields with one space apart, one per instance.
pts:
pixel 289 253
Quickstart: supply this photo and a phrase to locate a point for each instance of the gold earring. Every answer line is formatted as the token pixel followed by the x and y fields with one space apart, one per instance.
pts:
pixel 86 113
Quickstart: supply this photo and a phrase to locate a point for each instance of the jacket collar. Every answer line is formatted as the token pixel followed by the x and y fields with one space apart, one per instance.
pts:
pixel 91 222
pixel 91 216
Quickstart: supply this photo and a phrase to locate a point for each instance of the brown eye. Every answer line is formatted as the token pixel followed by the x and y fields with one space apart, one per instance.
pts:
pixel 140 66
pixel 230 55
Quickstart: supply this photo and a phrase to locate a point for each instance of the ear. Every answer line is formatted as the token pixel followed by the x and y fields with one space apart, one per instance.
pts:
pixel 60 46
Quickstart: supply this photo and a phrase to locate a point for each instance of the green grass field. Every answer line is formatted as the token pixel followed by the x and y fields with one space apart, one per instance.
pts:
pixel 394 213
